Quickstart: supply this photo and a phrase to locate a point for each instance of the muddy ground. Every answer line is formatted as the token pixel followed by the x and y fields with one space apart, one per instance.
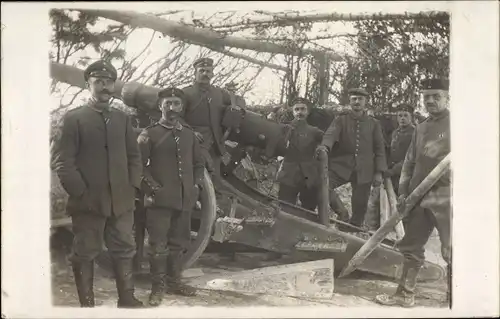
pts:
pixel 357 290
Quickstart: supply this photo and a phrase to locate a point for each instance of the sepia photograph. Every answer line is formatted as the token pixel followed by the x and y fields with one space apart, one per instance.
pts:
pixel 252 156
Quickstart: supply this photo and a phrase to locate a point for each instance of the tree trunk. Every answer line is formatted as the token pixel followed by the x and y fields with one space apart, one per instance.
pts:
pixel 323 76
pixel 199 36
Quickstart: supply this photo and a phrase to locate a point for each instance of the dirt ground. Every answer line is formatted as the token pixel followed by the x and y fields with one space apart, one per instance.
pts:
pixel 357 290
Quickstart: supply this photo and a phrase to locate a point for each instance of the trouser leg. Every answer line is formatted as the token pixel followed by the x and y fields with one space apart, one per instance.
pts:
pixel 309 197
pixel 121 246
pixel 158 223
pixel 442 216
pixel 419 228
pixel 359 201
pixel 88 230
pixel 179 241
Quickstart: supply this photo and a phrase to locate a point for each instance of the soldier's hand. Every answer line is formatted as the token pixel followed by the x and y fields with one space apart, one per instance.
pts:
pixel 197 192
pixel 320 149
pixel 401 203
pixel 199 136
pixel 377 179
pixel 226 158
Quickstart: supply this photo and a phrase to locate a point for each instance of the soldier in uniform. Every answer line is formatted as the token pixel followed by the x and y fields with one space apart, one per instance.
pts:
pixel 239 101
pixel 398 145
pixel 99 165
pixel 429 145
pixel 357 155
pixel 173 176
pixel 205 106
pixel 400 141
pixel 300 171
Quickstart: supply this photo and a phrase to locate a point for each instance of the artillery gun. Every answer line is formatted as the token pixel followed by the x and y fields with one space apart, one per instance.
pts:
pixel 247 216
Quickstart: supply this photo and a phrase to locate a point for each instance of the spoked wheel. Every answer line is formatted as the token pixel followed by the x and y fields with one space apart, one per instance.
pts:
pixel 199 240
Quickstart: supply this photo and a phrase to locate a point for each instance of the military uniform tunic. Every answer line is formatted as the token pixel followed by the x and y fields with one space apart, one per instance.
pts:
pixel 98 163
pixel 172 161
pixel 205 107
pixel 357 152
pixel 300 171
pixel 430 144
pixel 400 141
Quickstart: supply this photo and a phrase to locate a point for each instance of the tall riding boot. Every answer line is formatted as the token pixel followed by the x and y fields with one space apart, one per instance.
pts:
pixel 125 284
pixel 158 266
pixel 405 293
pixel 338 207
pixel 173 278
pixel 84 280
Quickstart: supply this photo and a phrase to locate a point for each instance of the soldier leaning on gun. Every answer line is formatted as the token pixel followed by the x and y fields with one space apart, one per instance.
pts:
pixel 300 171
pixel 429 145
pixel 173 176
pixel 356 155
pixel 99 165
pixel 205 106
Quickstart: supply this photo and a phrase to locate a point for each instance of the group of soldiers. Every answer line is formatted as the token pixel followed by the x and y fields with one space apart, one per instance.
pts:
pixel 358 155
pixel 104 165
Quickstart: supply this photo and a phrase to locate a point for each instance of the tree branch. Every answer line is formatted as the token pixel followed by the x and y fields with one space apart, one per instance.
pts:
pixel 290 19
pixel 199 36
pixel 249 59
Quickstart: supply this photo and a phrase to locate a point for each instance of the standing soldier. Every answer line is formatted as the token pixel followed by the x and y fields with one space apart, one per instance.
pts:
pixel 300 171
pixel 231 87
pixel 99 166
pixel 357 155
pixel 173 177
pixel 400 141
pixel 205 106
pixel 429 145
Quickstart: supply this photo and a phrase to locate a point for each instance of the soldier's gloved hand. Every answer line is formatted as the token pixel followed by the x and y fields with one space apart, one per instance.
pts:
pixel 320 149
pixel 199 136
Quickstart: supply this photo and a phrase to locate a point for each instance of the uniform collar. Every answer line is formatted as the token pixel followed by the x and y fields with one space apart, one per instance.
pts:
pixel 99 106
pixel 202 86
pixel 163 123
pixel 406 128
pixel 439 116
pixel 362 117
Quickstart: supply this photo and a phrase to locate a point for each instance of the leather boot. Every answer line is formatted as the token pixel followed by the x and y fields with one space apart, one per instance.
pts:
pixel 84 280
pixel 125 284
pixel 173 278
pixel 405 293
pixel 158 265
